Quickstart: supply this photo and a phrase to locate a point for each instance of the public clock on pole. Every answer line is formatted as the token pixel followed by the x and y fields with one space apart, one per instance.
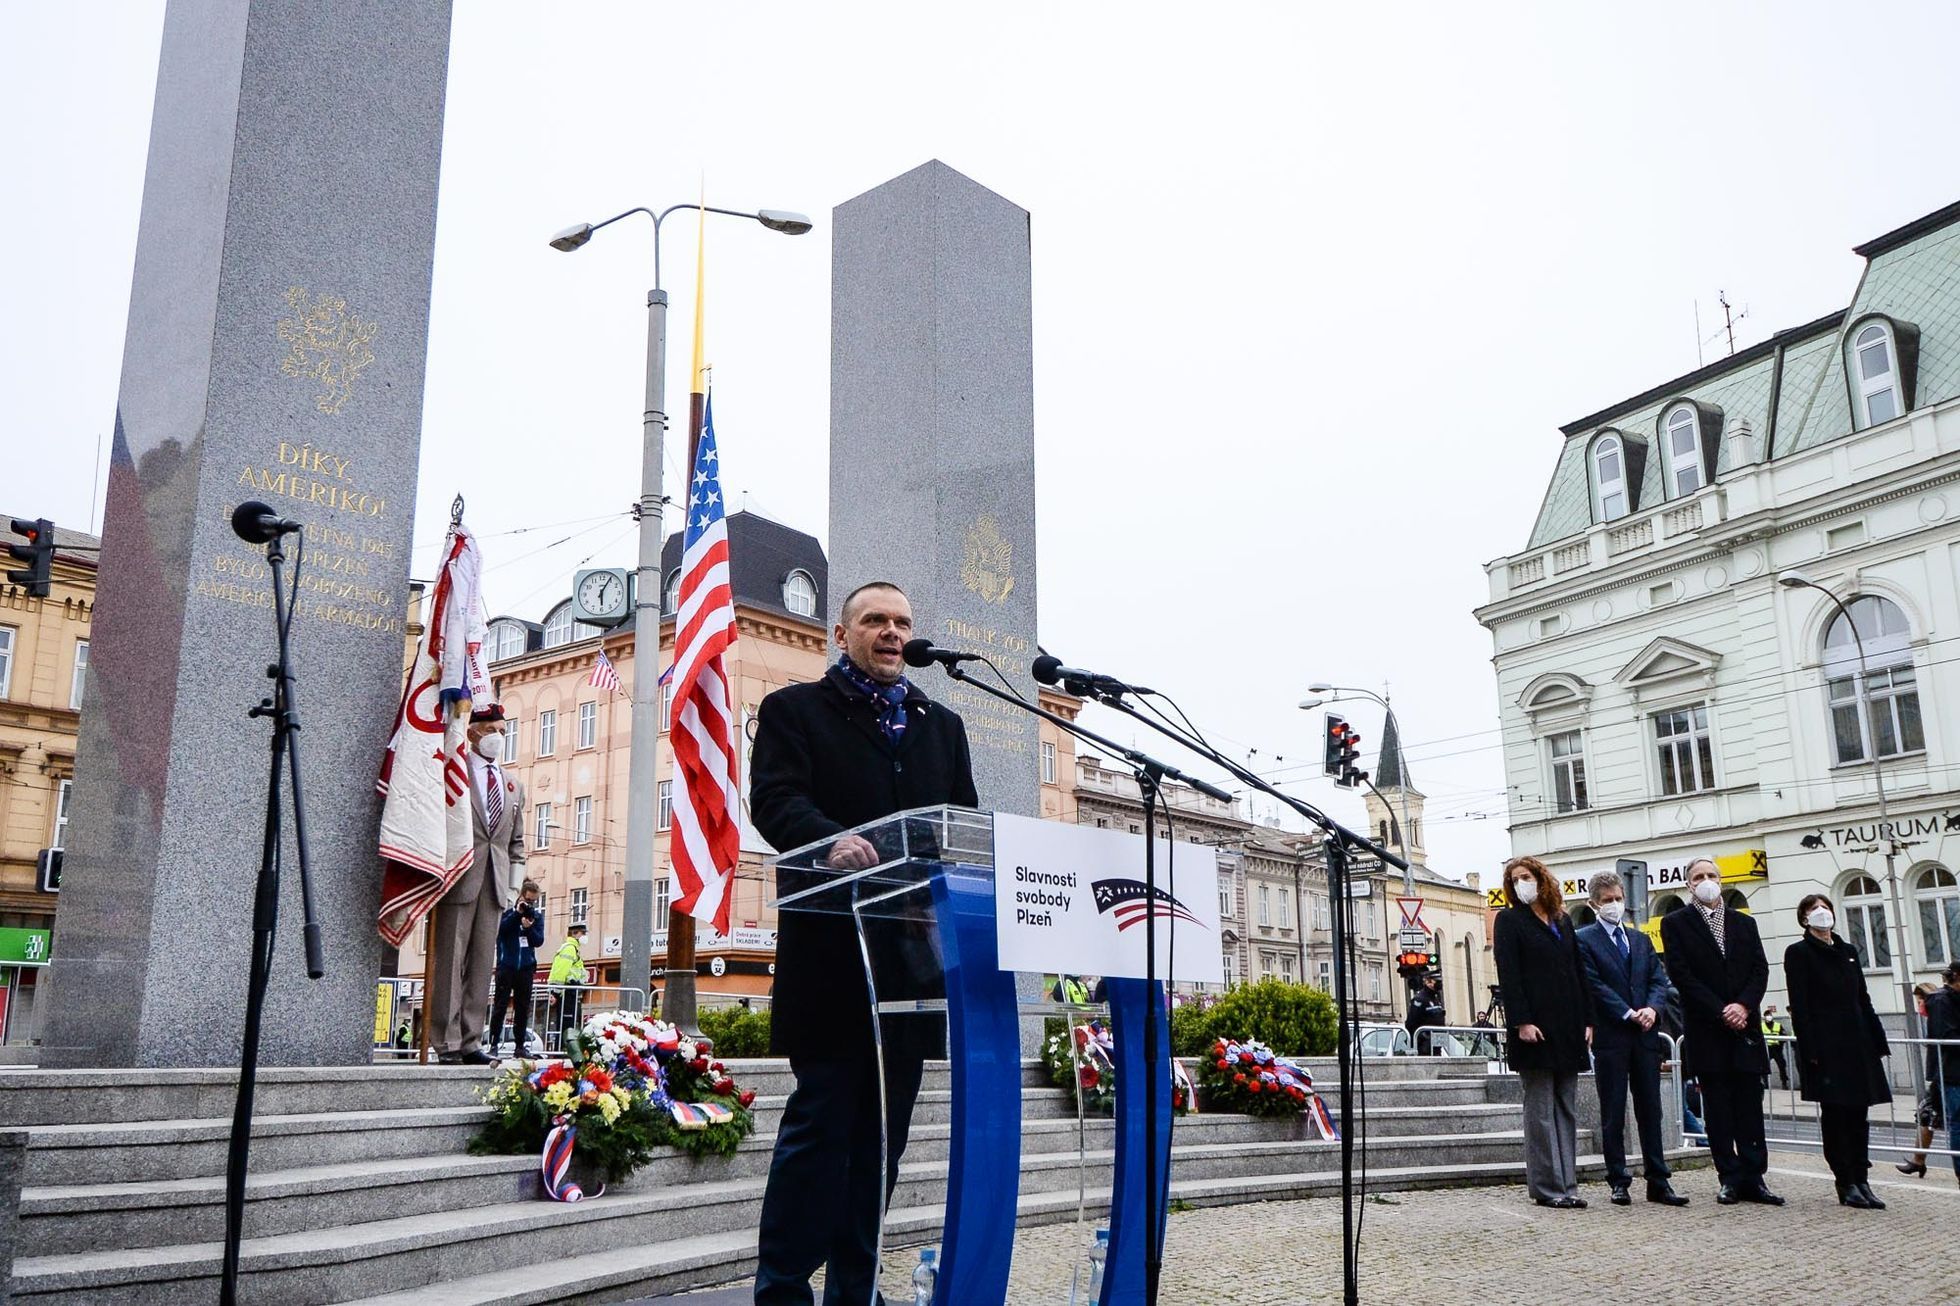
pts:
pixel 599 596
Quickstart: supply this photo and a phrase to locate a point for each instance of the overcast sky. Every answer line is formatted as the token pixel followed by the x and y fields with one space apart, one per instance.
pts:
pixel 1314 287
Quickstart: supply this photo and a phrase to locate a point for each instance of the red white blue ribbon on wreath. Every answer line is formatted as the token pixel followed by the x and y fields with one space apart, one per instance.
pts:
pixel 557 1159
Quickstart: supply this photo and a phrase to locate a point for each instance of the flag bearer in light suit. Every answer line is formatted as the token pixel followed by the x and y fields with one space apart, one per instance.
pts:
pixel 465 930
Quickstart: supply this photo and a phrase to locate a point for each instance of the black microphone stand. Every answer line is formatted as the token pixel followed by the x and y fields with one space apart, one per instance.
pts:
pixel 1338 842
pixel 265 908
pixel 1150 774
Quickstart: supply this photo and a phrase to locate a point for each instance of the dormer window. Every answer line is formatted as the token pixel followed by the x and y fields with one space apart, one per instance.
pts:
pixel 1610 498
pixel 800 593
pixel 1682 441
pixel 506 639
pixel 1876 376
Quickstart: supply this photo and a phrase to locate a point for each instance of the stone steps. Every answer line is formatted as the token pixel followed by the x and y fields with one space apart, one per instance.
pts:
pixel 158 1211
pixel 357 1194
pixel 30 1097
pixel 509 1240
pixel 668 1266
pixel 180 1149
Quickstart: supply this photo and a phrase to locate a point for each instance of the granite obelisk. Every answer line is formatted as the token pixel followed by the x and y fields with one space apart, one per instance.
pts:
pixel 277 332
pixel 932 438
pixel 932 445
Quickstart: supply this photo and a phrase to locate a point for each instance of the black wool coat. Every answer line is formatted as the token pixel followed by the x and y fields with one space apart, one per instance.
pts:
pixel 1709 979
pixel 819 766
pixel 1839 1039
pixel 1543 984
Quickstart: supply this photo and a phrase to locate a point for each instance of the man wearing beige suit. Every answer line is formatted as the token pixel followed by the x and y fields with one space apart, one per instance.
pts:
pixel 466 918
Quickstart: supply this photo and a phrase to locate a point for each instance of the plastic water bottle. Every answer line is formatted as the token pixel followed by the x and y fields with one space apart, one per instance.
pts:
pixel 925 1276
pixel 1095 1262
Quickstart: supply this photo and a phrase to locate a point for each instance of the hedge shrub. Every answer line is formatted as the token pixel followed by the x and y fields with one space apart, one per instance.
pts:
pixel 1295 1020
pixel 737 1031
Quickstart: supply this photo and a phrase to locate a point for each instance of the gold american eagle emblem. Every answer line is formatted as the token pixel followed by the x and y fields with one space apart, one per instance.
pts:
pixel 988 565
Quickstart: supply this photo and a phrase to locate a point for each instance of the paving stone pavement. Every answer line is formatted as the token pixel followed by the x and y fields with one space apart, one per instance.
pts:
pixel 1491 1245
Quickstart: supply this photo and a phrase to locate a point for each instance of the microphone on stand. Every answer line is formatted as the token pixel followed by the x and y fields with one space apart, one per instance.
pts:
pixel 256 523
pixel 1048 669
pixel 921 653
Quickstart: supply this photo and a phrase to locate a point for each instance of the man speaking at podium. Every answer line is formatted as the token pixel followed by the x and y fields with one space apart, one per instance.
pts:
pixel 860 744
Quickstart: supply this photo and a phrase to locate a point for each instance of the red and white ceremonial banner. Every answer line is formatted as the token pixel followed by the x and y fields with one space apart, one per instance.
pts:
pixel 426 837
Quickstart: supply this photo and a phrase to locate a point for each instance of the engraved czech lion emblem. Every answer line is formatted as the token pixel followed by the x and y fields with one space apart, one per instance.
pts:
pixel 988 567
pixel 329 345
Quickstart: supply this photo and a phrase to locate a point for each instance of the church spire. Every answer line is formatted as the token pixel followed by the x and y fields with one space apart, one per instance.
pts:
pixel 1391 768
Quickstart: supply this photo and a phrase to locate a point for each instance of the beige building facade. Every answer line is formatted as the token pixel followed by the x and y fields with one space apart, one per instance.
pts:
pixel 44 657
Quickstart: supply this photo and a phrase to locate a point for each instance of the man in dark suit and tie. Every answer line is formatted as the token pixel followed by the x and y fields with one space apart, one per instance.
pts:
pixel 1628 990
pixel 1715 958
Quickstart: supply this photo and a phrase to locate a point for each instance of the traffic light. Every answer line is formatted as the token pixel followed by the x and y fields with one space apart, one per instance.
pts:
pixel 1339 752
pixel 49 869
pixel 1412 963
pixel 37 553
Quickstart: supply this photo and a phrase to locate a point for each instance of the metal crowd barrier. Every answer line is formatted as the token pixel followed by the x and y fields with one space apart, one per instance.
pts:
pixel 554 1008
pixel 1785 1105
pixel 1486 1041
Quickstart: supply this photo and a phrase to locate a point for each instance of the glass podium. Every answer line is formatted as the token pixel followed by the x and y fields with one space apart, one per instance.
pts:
pixel 923 917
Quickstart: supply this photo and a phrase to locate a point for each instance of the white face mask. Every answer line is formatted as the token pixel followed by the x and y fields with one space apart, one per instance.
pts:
pixel 1708 891
pixel 1527 891
pixel 491 746
pixel 1820 918
pixel 1611 912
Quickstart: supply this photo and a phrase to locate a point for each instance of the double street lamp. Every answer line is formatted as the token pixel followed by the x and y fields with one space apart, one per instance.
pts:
pixel 1901 970
pixel 636 930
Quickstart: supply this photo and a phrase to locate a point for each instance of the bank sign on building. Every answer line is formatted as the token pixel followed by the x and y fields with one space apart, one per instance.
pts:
pixel 1664 697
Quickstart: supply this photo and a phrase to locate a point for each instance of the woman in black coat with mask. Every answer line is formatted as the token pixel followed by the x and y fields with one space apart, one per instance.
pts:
pixel 1839 1045
pixel 1548 1016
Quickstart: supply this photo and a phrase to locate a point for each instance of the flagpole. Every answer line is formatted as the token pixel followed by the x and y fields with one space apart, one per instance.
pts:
pixel 678 1005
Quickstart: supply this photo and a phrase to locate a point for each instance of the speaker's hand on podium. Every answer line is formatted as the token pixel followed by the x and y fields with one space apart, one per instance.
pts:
pixel 852 853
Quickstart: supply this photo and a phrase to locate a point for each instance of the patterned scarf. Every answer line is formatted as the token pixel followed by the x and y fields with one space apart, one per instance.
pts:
pixel 889 699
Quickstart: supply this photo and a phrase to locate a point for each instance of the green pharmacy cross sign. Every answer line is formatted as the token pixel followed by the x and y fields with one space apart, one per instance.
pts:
pixel 22 947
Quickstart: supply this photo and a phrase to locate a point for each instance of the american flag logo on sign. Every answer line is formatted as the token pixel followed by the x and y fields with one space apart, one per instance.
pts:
pixel 1130 902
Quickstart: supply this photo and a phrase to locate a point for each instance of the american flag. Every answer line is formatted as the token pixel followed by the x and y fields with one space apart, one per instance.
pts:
pixel 707 840
pixel 604 675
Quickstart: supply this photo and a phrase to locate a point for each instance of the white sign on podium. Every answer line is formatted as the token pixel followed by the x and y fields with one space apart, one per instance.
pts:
pixel 1072 899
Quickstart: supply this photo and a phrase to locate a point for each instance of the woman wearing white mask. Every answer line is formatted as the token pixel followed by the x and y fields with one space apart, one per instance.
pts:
pixel 1548 1023
pixel 1839 1045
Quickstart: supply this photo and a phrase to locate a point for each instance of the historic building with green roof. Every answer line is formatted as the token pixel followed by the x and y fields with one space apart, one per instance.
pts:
pixel 1738 612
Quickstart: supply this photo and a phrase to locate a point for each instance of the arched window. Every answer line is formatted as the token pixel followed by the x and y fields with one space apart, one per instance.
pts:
pixel 1864 922
pixel 1735 898
pixel 1611 499
pixel 559 628
pixel 1583 914
pixel 1664 904
pixel 505 640
pixel 1937 895
pixel 800 593
pixel 1876 378
pixel 672 602
pixel 1682 444
pixel 1875 712
pixel 558 625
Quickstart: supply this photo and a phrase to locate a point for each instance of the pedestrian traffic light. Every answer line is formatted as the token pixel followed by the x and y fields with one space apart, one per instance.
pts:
pixel 1412 963
pixel 37 552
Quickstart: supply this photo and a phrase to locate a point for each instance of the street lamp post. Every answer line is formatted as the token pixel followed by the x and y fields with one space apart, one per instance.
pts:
pixel 636 930
pixel 1901 970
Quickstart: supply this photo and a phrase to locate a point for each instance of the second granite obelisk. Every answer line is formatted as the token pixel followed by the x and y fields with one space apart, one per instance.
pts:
pixel 278 326
pixel 932 438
